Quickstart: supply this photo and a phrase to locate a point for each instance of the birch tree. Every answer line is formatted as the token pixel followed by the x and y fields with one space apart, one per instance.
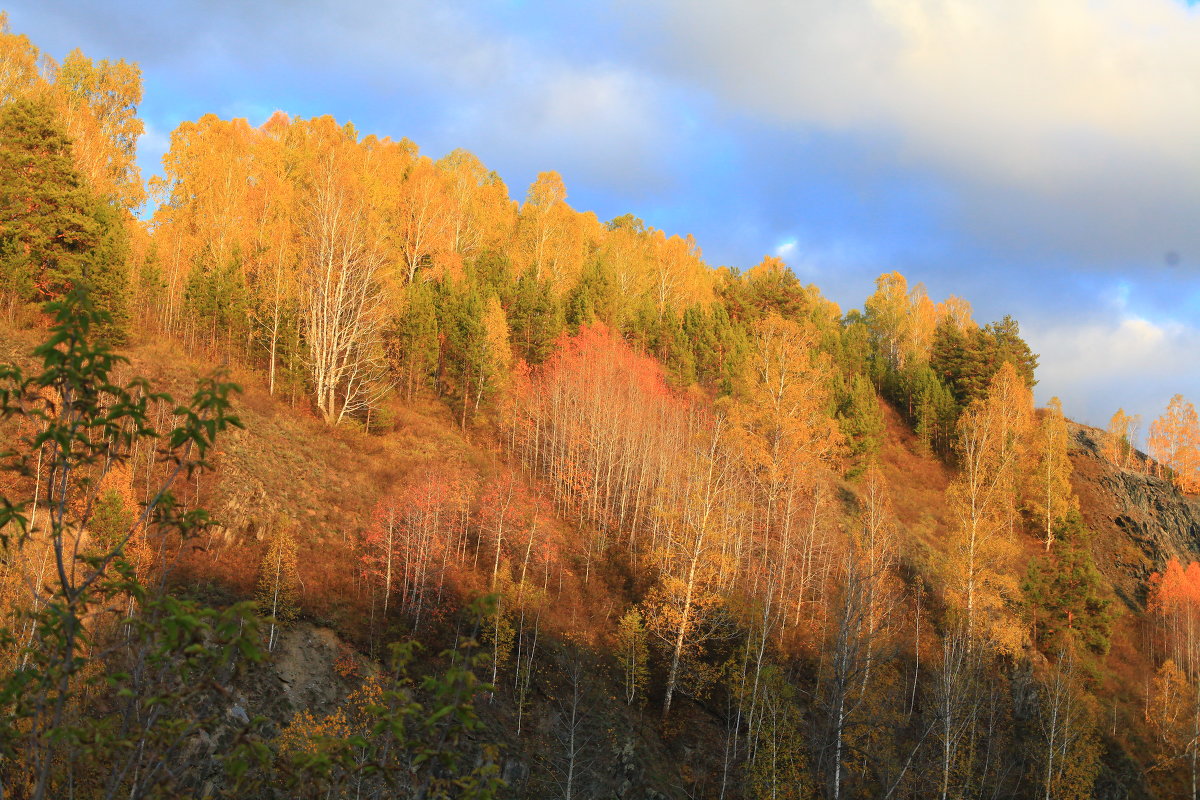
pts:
pixel 342 311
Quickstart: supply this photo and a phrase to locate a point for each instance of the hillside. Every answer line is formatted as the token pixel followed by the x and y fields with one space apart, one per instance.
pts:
pixel 345 474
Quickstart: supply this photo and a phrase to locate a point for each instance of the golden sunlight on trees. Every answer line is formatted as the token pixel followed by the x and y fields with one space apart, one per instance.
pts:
pixel 1174 442
pixel 1049 490
pixel 992 437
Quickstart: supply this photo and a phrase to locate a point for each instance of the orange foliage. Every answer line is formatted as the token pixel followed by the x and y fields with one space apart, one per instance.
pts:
pixel 1174 441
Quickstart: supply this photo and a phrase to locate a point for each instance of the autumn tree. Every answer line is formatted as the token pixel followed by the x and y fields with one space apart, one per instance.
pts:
pixel 862 633
pixel 632 652
pixel 992 442
pixel 1174 599
pixel 1069 750
pixel 682 612
pixel 278 584
pixel 787 436
pixel 343 301
pixel 1050 496
pixel 100 102
pixel 1118 441
pixel 1172 710
pixel 1174 442
pixel 423 223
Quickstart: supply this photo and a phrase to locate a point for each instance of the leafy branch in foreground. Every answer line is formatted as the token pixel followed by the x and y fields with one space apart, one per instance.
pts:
pixel 111 687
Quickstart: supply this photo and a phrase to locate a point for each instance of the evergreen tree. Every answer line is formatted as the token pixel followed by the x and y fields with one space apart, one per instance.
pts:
pixel 533 318
pixel 106 269
pixel 592 299
pixel 411 341
pixel 46 212
pixel 861 420
pixel 1063 592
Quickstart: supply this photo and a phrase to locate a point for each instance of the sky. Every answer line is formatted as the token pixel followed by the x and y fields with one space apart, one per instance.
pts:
pixel 1040 158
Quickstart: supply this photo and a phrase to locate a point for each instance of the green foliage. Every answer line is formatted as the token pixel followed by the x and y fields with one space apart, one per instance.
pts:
pixel 217 297
pixel 386 742
pixel 861 421
pixel 58 728
pixel 56 234
pixel 106 272
pixel 116 683
pixel 719 346
pixel 411 341
pixel 1063 593
pixel 664 337
pixel 926 404
pixel 534 318
pixel 110 520
pixel 48 225
pixel 760 292
pixel 779 767
pixel 592 299
pixel 966 362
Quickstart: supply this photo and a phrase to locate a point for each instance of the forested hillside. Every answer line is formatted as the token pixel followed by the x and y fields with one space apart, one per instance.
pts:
pixel 462 496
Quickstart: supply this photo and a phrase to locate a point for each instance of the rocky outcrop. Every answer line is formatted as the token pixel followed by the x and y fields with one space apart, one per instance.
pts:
pixel 1140 520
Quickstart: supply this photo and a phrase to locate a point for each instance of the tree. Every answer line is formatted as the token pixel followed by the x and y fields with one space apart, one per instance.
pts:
pixel 100 101
pixel 887 318
pixel 631 650
pixel 682 611
pixel 49 230
pixel 542 223
pixel 87 424
pixel 1173 715
pixel 862 632
pixel 992 440
pixel 343 301
pixel 1118 439
pixel 1069 751
pixel 1063 590
pixel 570 762
pixel 1174 442
pixel 278 585
pixel 861 421
pixel 1051 498
pixel 23 68
pixel 422 217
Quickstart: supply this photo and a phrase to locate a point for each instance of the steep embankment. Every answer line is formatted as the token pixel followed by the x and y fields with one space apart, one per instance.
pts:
pixel 1140 520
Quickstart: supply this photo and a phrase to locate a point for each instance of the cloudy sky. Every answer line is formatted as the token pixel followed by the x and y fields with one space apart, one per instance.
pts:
pixel 1038 157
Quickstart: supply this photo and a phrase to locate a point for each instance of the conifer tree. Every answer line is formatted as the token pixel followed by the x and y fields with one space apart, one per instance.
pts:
pixel 861 421
pixel 1063 592
pixel 45 207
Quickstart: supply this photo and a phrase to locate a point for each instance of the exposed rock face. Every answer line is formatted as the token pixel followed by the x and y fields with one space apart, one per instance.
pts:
pixel 1140 520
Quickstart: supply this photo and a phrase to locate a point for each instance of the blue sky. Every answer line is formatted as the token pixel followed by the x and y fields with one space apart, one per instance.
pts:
pixel 1038 157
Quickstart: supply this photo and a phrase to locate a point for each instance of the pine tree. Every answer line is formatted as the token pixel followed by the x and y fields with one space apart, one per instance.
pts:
pixel 45 209
pixel 534 319
pixel 861 422
pixel 1063 592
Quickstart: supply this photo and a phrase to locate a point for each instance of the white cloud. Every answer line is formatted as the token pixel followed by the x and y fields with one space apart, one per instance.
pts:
pixel 1125 362
pixel 1069 120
